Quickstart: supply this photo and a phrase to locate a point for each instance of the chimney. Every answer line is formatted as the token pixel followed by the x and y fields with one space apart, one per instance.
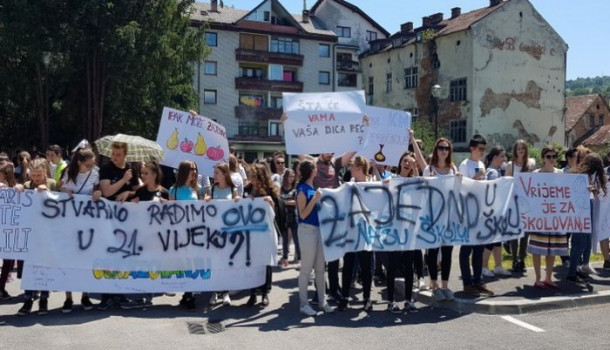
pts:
pixel 425 21
pixel 436 18
pixel 493 3
pixel 406 27
pixel 305 16
pixel 214 6
pixel 455 12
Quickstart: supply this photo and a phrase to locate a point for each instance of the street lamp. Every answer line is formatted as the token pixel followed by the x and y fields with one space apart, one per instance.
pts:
pixel 436 91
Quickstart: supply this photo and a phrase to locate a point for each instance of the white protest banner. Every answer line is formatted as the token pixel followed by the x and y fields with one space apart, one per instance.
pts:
pixel 36 277
pixel 601 218
pixel 14 223
pixel 554 202
pixel 417 213
pixel 76 232
pixel 187 137
pixel 330 122
pixel 387 135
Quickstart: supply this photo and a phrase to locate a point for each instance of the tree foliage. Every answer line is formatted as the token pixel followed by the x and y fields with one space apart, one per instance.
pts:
pixel 113 66
pixel 585 86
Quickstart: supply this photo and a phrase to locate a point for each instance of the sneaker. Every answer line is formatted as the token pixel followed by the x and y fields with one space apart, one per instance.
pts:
pixel 226 300
pixel 214 299
pixel 26 308
pixel 67 308
pixel 43 307
pixel 393 307
pixel 448 294
pixel 106 304
pixel 328 309
pixel 342 305
pixel 265 301
pixel 307 310
pixel 500 271
pixel 368 305
pixel 606 265
pixel 522 266
pixel 472 291
pixel 588 270
pixel 421 284
pixel 487 273
pixel 127 304
pixel 4 295
pixel 86 303
pixel 410 307
pixel 438 294
pixel 482 288
pixel 185 298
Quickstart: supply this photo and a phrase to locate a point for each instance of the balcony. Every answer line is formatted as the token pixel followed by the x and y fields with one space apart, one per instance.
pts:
pixel 257 113
pixel 268 57
pixel 348 66
pixel 256 84
pixel 257 131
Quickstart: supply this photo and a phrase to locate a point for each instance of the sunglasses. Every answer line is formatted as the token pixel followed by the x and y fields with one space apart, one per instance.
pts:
pixel 279 162
pixel 550 156
pixel 443 148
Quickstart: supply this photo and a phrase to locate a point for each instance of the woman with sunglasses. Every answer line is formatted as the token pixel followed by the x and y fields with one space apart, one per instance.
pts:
pixel 521 163
pixel 187 188
pixel 441 164
pixel 547 244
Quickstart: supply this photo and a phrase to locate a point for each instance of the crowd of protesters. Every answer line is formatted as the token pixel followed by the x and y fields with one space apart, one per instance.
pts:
pixel 293 193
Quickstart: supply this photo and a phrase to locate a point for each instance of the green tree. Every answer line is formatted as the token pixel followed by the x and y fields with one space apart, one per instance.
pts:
pixel 113 67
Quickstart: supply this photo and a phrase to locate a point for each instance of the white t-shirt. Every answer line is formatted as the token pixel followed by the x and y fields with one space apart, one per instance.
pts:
pixel 91 177
pixel 430 169
pixel 531 165
pixel 470 168
pixel 239 183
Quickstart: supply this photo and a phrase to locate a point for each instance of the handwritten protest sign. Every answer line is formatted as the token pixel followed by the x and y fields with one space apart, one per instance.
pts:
pixel 14 223
pixel 417 213
pixel 387 135
pixel 324 122
pixel 196 138
pixel 554 203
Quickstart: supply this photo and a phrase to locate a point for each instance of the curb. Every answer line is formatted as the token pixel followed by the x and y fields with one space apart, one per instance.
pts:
pixel 489 306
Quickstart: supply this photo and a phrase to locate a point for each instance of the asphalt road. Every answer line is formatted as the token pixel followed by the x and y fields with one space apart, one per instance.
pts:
pixel 281 325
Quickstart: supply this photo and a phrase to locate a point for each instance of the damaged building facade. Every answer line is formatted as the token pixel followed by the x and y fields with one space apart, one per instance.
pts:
pixel 501 71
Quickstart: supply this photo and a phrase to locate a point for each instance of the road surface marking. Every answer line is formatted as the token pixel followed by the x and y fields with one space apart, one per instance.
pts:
pixel 522 324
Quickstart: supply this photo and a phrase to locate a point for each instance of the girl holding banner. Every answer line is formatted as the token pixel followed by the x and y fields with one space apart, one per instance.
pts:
pixel 83 178
pixel 312 252
pixel 521 163
pixel 547 244
pixel 441 164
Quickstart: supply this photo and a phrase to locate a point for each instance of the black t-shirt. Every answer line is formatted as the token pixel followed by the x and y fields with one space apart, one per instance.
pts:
pixel 144 194
pixel 109 171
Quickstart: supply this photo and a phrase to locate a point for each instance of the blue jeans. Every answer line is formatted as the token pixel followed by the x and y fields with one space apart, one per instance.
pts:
pixel 580 252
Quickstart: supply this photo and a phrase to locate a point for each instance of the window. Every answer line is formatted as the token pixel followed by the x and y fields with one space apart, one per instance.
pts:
pixel 371 86
pixel 324 78
pixel 209 68
pixel 411 78
pixel 284 45
pixel 211 39
pixel 388 82
pixel 276 72
pixel 346 79
pixel 252 72
pixel 266 16
pixel 276 102
pixel 253 42
pixel 370 35
pixel 457 90
pixel 591 120
pixel 458 131
pixel 290 75
pixel 344 32
pixel 324 50
pixel 209 97
pixel 601 120
pixel 276 128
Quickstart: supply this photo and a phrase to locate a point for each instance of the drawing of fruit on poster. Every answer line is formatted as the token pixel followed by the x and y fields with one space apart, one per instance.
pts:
pixel 200 146
pixel 172 142
pixel 215 153
pixel 186 146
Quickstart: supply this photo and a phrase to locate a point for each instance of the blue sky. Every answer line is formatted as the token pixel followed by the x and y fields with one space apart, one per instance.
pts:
pixel 580 23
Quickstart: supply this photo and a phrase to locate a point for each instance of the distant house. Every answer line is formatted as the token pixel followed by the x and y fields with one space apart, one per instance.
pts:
pixel 501 71
pixel 587 121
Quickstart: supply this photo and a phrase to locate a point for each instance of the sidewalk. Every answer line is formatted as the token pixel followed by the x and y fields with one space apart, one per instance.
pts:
pixel 517 294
